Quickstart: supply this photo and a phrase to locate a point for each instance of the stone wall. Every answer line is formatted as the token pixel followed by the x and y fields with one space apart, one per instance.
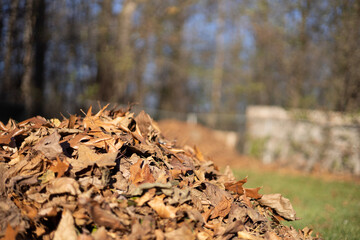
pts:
pixel 303 138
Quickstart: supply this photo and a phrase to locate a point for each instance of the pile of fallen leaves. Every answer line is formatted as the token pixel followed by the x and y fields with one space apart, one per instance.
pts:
pixel 113 176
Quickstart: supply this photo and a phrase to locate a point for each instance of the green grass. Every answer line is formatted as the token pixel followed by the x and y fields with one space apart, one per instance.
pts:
pixel 329 208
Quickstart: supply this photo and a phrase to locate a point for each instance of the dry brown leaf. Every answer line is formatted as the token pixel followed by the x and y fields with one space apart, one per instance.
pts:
pixel 29 210
pixel 66 229
pixel 182 233
pixel 35 122
pixel 222 209
pixel 76 141
pixel 232 228
pixel 272 236
pixel 60 167
pixel 236 187
pixel 159 234
pixel 11 214
pixel 161 209
pixel 48 212
pixel 213 193
pixel 199 154
pixel 245 200
pixel 6 139
pixel 29 166
pixel 64 185
pixel 50 146
pixel 10 233
pixel 253 192
pixel 140 173
pixel 280 204
pixel 146 197
pixel 84 236
pixel 146 125
pixel 228 174
pixel 175 173
pixel 202 235
pixel 135 171
pixel 2 127
pixel 40 230
pixel 72 120
pixel 104 217
pixel 87 157
pixel 246 236
pixel 101 234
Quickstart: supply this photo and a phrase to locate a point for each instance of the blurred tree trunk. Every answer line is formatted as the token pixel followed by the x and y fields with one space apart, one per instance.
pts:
pixel 26 85
pixel 125 65
pixel 40 44
pixel 300 69
pixel 2 17
pixel 8 86
pixel 346 56
pixel 218 61
pixel 262 61
pixel 105 54
pixel 172 74
pixel 34 42
pixel 143 54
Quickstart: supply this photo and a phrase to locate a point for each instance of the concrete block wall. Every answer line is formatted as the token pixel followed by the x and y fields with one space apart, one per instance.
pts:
pixel 304 138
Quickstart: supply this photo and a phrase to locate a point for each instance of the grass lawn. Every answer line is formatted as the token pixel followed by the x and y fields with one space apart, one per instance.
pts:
pixel 330 208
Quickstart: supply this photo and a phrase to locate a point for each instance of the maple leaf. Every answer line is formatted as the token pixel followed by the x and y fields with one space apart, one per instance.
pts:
pixel 236 187
pixel 60 167
pixel 253 192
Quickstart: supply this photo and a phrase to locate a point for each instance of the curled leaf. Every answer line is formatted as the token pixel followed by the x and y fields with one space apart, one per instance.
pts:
pixel 280 204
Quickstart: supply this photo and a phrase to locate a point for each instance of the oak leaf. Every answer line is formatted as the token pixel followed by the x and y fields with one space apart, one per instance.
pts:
pixel 60 167
pixel 253 192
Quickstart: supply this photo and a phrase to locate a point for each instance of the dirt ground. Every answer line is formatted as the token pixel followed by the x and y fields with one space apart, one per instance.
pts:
pixel 217 151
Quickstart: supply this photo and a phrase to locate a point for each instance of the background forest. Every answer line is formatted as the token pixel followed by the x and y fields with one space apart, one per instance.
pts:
pixel 202 56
